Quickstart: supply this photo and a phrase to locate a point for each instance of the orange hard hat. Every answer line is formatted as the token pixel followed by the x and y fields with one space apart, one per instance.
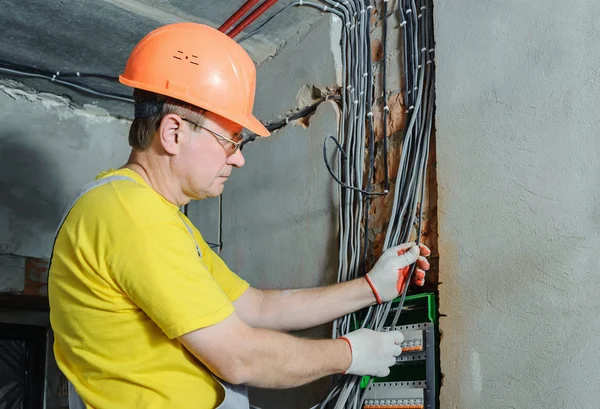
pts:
pixel 199 65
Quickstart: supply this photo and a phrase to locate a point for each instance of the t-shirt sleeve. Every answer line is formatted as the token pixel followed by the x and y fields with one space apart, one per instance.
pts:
pixel 233 285
pixel 158 267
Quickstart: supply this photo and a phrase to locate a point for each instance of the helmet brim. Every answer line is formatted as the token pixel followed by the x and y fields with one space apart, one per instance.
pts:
pixel 248 122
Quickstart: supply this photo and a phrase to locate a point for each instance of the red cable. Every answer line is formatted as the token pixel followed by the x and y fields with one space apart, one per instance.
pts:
pixel 237 15
pixel 253 16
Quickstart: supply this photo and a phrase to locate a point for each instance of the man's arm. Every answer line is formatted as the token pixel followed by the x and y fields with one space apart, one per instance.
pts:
pixel 292 310
pixel 241 354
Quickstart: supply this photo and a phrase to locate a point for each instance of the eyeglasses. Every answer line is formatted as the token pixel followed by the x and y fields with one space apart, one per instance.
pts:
pixel 231 146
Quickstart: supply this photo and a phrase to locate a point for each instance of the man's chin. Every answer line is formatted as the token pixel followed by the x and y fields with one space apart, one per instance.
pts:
pixel 208 195
pixel 216 191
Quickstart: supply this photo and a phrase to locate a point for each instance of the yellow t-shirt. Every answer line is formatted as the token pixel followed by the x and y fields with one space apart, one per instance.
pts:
pixel 124 283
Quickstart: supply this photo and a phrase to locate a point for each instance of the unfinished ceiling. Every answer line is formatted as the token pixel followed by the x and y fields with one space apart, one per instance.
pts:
pixel 96 36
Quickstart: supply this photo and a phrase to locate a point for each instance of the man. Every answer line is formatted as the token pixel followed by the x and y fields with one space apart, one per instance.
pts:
pixel 145 314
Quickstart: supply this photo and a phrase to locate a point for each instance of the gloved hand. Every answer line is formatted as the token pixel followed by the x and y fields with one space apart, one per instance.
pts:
pixel 389 275
pixel 373 352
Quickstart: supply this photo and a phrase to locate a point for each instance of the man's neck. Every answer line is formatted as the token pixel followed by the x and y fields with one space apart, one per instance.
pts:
pixel 157 175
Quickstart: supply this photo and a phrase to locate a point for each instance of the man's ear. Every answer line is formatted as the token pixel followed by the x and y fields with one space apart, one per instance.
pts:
pixel 169 132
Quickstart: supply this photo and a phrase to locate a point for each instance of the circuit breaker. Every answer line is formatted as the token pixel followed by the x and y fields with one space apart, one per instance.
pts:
pixel 413 383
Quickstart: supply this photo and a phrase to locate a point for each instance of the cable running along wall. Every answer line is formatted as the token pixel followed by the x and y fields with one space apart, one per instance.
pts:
pixel 416 23
pixel 356 128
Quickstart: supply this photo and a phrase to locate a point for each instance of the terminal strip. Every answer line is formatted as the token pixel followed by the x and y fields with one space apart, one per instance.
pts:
pixel 414 339
pixel 395 395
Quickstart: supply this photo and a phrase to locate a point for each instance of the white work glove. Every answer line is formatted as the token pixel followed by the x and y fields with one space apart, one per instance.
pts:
pixel 373 352
pixel 390 274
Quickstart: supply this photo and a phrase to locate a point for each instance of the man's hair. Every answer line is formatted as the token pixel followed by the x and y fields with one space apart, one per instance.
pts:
pixel 143 129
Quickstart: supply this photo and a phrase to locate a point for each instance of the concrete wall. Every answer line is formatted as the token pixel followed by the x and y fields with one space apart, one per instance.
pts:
pixel 48 150
pixel 280 209
pixel 519 188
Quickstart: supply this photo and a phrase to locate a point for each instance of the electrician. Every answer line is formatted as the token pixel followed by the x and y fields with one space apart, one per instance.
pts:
pixel 145 314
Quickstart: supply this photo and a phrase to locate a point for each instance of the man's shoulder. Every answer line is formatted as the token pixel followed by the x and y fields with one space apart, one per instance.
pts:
pixel 125 197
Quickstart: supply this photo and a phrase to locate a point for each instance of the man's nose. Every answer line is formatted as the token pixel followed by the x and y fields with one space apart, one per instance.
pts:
pixel 237 159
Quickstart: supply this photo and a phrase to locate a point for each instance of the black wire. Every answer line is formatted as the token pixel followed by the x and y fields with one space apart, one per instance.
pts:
pixel 84 75
pixel 32 70
pixel 273 126
pixel 220 222
pixel 214 245
pixel 58 73
pixel 300 114
pixel 384 94
pixel 371 136
pixel 345 157
pixel 19 70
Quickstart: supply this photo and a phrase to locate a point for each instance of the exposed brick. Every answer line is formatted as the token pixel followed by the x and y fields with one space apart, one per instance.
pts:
pixel 394 154
pixel 378 244
pixel 432 278
pixel 429 229
pixel 396 120
pixel 374 17
pixel 397 116
pixel 376 50
pixel 381 210
pixel 430 224
pixel 36 277
pixel 391 11
pixel 378 121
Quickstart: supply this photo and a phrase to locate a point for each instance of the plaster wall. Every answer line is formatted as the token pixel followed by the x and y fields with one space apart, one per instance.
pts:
pixel 519 214
pixel 48 150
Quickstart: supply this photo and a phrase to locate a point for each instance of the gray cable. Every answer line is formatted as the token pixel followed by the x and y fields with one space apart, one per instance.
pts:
pixel 66 83
pixel 356 102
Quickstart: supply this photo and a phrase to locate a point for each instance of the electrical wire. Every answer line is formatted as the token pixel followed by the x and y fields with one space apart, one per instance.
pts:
pixel 355 130
pixel 218 245
pixel 250 18
pixel 386 109
pixel 407 214
pixel 34 70
pixel 273 126
pixel 17 70
pixel 345 156
pixel 235 17
pixel 371 140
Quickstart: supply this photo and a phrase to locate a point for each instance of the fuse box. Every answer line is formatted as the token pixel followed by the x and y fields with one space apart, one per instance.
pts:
pixel 413 383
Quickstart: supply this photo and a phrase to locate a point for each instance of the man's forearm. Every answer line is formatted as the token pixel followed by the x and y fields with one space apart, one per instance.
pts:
pixel 241 354
pixel 278 360
pixel 290 310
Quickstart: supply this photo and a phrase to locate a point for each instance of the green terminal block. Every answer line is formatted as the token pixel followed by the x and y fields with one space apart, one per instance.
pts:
pixel 419 312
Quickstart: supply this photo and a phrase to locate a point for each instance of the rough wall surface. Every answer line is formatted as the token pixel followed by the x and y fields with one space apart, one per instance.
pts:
pixel 48 150
pixel 280 209
pixel 397 118
pixel 519 189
